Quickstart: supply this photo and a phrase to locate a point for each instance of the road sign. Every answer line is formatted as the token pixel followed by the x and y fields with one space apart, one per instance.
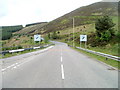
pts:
pixel 83 37
pixel 37 38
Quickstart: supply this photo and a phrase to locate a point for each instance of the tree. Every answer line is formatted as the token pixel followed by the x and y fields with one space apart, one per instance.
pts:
pixel 6 35
pixel 54 35
pixel 104 28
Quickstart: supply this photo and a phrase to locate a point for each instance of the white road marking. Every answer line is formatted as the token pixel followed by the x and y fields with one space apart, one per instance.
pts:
pixel 3 70
pixel 62 68
pixel 20 63
pixel 61 59
pixel 62 71
pixel 9 67
pixel 15 67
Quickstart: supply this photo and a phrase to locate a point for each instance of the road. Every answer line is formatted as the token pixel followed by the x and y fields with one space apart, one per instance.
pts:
pixel 57 67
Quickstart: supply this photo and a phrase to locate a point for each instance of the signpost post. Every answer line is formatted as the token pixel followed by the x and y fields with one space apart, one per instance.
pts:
pixel 73 31
pixel 83 38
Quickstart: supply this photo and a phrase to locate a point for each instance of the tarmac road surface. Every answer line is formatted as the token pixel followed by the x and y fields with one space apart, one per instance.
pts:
pixel 57 67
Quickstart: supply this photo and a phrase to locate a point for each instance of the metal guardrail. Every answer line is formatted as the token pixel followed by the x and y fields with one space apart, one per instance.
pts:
pixel 100 54
pixel 20 50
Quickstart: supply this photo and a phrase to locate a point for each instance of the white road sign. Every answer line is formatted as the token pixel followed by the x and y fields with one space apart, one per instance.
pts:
pixel 83 37
pixel 37 38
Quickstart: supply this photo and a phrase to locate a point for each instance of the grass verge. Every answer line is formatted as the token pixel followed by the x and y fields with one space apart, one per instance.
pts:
pixel 100 58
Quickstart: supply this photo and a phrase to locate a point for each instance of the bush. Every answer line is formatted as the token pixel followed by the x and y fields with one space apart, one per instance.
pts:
pixel 19 47
pixel 31 37
pixel 54 35
pixel 104 29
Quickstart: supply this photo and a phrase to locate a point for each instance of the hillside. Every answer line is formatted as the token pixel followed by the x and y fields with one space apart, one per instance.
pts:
pixel 32 29
pixel 35 23
pixel 85 18
pixel 83 15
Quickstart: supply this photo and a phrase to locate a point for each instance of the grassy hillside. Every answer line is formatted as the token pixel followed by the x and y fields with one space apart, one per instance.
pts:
pixel 85 18
pixel 83 15
pixel 89 29
pixel 23 37
pixel 31 29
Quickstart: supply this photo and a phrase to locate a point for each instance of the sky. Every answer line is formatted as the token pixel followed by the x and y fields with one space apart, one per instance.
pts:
pixel 17 12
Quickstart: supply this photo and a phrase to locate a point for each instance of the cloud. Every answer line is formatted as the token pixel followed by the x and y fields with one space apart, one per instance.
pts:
pixel 3 8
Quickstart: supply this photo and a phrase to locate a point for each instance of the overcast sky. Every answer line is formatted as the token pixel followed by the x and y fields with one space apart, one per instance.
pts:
pixel 16 12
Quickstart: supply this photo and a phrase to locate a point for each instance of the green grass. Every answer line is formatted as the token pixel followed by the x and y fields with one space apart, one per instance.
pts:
pixel 100 58
pixel 89 28
pixel 115 20
pixel 111 49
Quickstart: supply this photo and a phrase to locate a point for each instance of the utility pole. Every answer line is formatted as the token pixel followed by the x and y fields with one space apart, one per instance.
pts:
pixel 73 31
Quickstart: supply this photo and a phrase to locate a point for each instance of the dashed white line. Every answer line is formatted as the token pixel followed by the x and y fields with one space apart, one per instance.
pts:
pixel 62 71
pixel 61 59
pixel 62 68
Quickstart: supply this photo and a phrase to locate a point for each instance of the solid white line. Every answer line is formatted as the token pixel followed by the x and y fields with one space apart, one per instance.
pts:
pixel 62 71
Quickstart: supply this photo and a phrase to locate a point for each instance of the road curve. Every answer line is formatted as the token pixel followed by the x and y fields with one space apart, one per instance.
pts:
pixel 57 67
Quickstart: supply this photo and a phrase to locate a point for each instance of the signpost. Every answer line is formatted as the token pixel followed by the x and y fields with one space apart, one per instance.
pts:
pixel 83 38
pixel 37 38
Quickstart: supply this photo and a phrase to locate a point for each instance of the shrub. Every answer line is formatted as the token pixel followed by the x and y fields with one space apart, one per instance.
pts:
pixel 104 29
